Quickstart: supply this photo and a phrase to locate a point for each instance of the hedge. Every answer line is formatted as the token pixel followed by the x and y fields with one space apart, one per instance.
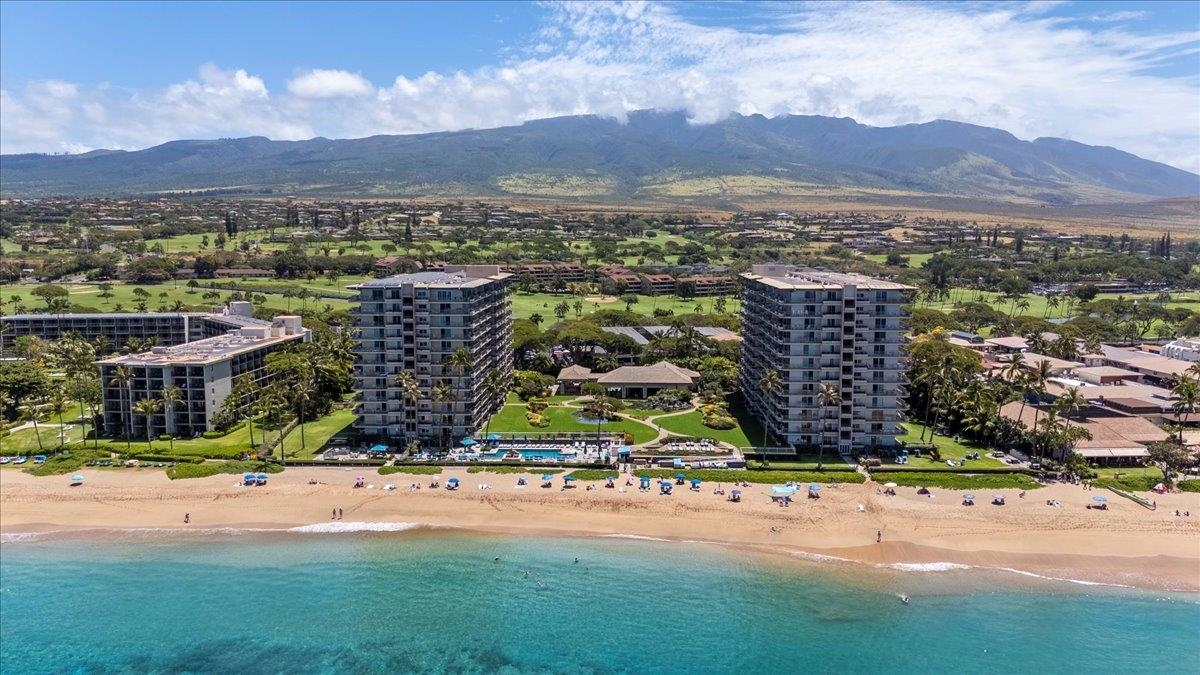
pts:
pixel 424 470
pixel 756 475
pixel 960 481
pixel 213 468
pixel 510 469
pixel 154 457
pixel 1189 485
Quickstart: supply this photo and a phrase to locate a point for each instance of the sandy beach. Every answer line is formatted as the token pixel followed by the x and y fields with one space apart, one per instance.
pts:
pixel 1127 544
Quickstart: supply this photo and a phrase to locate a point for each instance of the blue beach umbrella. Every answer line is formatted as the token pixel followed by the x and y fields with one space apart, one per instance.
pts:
pixel 1100 498
pixel 695 481
pixel 249 478
pixel 468 442
pixel 969 497
pixel 262 477
pixel 453 481
pixel 493 437
pixel 783 491
pixel 680 476
pixel 645 481
pixel 547 476
pixel 814 488
pixel 77 478
pixel 568 478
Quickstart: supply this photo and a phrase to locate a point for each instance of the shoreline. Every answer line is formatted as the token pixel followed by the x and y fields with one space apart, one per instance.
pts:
pixel 1126 546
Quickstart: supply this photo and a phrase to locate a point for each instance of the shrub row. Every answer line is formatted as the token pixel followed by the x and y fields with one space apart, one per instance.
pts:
pixel 756 476
pixel 155 457
pixel 423 470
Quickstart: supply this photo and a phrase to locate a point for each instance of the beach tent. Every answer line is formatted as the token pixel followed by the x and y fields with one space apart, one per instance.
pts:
pixel 468 442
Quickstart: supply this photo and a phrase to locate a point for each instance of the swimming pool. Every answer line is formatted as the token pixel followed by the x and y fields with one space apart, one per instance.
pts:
pixel 531 454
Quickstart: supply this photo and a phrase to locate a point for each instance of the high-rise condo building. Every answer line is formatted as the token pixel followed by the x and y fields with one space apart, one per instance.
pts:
pixel 815 328
pixel 452 331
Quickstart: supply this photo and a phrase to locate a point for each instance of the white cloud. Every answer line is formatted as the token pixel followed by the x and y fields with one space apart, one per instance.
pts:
pixel 320 84
pixel 1010 66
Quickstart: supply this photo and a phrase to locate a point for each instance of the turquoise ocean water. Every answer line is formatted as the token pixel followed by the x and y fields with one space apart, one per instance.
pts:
pixel 423 601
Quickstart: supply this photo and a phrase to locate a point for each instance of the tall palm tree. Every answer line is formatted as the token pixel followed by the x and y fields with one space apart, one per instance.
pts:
pixel 1187 400
pixel 443 393
pixel 1070 402
pixel 122 377
pixel 302 398
pixel 771 381
pixel 1038 378
pixel 58 404
pixel 827 397
pixel 29 410
pixel 171 396
pixel 410 390
pixel 493 384
pixel 147 407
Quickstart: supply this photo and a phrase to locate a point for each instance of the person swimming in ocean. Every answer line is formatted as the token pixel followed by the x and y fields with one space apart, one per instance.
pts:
pixel 904 598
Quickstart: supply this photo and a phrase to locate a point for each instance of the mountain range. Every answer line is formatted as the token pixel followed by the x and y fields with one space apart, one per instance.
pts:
pixel 652 155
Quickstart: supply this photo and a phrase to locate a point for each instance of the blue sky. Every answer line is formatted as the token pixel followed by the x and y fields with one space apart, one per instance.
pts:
pixel 76 76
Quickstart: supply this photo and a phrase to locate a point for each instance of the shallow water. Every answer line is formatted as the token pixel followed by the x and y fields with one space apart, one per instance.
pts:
pixel 422 601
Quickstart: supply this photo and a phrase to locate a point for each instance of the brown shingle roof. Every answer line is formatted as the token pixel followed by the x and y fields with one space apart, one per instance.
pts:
pixel 662 373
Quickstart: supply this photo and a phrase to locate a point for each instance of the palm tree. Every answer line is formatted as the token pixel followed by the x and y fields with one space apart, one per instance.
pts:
pixel 1070 402
pixel 443 392
pixel 58 404
pixel 302 397
pixel 243 394
pixel 771 382
pixel 123 378
pixel 1038 379
pixel 29 410
pixel 1187 400
pixel 147 407
pixel 171 396
pixel 827 397
pixel 493 384
pixel 410 390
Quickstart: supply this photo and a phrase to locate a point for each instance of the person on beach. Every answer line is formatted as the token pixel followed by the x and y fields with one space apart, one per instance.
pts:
pixel 333 514
pixel 878 536
pixel 187 518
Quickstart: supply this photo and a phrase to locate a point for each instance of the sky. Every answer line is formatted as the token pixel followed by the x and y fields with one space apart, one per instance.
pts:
pixel 81 76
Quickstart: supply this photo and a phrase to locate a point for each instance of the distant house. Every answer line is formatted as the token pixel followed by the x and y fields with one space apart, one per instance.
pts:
pixel 657 284
pixel 572 378
pixel 644 381
pixel 387 264
pixel 705 286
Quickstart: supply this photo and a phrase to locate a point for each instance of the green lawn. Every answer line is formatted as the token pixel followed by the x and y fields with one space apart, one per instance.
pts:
pixel 1131 479
pixel 526 304
pixel 229 446
pixel 511 419
pixel 746 434
pixel 317 433
pixel 25 441
pixel 88 296
pixel 948 447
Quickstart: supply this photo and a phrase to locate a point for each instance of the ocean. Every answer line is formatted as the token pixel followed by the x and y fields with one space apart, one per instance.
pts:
pixel 439 601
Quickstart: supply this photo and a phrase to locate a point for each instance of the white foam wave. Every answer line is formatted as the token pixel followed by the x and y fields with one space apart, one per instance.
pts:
pixel 1081 582
pixel 925 567
pixel 820 557
pixel 16 537
pixel 639 537
pixel 340 527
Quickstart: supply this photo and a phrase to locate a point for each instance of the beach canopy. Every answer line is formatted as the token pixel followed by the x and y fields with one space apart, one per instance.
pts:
pixel 783 490
pixel 493 437
pixel 1100 498
pixel 468 442
pixel 889 485
pixel 814 488
pixel 378 449
pixel 547 476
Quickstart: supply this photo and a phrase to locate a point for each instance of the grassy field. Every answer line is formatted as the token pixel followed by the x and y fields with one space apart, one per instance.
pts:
pixel 317 433
pixel 123 299
pixel 25 441
pixel 914 260
pixel 511 419
pixel 1131 479
pixel 748 433
pixel 948 448
pixel 527 304
pixel 421 470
